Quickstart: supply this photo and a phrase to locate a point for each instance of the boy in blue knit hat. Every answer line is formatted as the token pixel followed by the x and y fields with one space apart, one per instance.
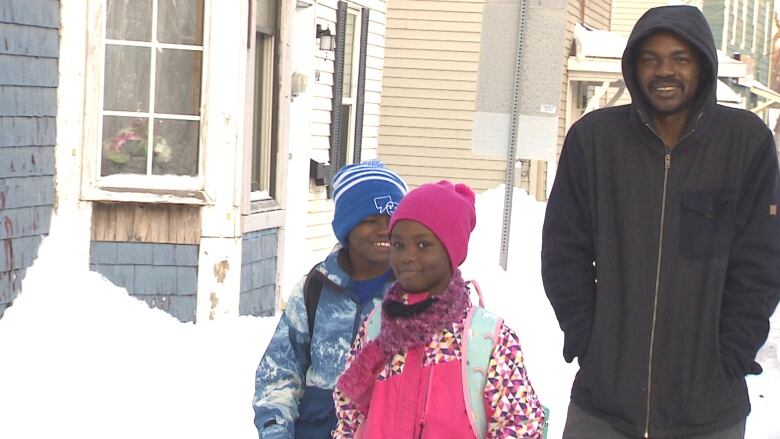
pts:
pixel 295 379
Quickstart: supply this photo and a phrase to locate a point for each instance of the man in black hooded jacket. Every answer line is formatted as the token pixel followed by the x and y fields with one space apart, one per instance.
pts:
pixel 661 245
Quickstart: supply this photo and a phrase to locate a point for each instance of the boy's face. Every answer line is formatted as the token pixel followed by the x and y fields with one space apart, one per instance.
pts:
pixel 369 240
pixel 419 260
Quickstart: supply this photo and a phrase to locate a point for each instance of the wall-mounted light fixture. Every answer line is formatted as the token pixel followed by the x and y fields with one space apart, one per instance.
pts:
pixel 327 40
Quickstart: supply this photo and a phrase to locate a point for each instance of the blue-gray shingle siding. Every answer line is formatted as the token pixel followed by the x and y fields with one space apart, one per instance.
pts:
pixel 165 276
pixel 29 52
pixel 258 273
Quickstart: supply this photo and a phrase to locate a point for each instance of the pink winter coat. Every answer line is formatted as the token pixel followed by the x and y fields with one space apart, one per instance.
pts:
pixel 420 394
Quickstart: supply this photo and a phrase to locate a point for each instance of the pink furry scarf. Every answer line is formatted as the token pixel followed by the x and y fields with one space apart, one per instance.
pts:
pixel 400 333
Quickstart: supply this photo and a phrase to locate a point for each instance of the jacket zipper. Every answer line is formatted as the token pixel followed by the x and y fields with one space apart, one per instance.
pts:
pixel 667 166
pixel 425 401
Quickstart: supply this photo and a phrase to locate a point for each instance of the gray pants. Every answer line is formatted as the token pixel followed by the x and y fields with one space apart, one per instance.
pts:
pixel 581 425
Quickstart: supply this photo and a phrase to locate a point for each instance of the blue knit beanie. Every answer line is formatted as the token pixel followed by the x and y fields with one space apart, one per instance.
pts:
pixel 363 190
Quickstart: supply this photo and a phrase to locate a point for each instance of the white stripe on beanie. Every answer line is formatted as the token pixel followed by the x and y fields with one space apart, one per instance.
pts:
pixel 361 173
pixel 350 170
pixel 337 193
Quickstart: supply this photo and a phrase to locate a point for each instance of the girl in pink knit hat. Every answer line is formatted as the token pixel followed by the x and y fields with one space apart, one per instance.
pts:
pixel 415 375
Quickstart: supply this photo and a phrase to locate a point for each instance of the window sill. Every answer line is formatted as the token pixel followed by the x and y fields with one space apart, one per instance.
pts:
pixel 156 196
pixel 264 214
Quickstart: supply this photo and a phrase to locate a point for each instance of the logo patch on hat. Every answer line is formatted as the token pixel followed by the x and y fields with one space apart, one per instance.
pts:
pixel 385 205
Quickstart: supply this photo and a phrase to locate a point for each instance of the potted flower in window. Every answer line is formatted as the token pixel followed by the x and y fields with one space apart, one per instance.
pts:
pixel 125 151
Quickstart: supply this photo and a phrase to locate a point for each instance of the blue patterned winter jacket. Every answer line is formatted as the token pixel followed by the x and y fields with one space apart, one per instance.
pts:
pixel 293 398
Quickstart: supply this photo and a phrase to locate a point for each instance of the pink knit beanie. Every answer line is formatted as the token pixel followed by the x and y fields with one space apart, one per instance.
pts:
pixel 445 208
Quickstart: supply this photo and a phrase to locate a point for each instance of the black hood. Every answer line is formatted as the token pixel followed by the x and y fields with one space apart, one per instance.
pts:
pixel 688 23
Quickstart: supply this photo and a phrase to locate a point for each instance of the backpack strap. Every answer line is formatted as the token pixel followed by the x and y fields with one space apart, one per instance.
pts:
pixel 480 336
pixel 312 289
pixel 374 323
pixel 478 290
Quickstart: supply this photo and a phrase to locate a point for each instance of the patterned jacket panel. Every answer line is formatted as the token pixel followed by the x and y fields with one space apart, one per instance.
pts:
pixel 514 410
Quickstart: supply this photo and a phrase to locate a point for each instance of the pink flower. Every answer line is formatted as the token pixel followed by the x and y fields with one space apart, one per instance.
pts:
pixel 121 138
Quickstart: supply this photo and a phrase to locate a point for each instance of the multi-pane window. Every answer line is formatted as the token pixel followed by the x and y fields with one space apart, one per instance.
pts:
pixel 151 102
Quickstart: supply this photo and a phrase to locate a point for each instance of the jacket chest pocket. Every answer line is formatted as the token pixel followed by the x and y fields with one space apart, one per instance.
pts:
pixel 707 224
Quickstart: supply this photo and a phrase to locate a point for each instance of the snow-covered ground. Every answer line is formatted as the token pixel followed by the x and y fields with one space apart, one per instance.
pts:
pixel 80 358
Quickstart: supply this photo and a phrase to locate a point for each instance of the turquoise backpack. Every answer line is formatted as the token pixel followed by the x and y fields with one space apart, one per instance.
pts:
pixel 478 341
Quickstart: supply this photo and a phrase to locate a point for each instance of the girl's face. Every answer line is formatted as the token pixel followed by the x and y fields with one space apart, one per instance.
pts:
pixel 419 260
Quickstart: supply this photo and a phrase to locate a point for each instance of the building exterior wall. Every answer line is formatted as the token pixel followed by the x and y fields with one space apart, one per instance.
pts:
pixel 319 212
pixel 743 27
pixel 258 273
pixel 29 52
pixel 714 11
pixel 177 246
pixel 150 250
pixel 152 253
pixel 625 13
pixel 597 15
pixel 165 276
pixel 429 94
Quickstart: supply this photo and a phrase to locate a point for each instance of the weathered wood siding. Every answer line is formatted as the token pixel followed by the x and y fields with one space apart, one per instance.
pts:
pixel 258 273
pixel 151 250
pixel 29 52
pixel 319 235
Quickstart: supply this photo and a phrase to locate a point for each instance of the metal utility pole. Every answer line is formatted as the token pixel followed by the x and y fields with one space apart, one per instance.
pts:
pixel 509 183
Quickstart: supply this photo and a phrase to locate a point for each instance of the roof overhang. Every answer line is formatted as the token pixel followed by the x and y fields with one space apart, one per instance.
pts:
pixel 770 96
pixel 598 56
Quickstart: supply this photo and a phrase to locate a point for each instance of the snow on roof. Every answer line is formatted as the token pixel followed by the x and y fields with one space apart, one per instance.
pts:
pixel 726 95
pixel 595 43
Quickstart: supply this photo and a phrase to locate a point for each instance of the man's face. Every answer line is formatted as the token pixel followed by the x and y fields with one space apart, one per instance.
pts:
pixel 668 72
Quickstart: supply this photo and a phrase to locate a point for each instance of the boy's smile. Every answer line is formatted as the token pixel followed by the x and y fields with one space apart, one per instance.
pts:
pixel 369 247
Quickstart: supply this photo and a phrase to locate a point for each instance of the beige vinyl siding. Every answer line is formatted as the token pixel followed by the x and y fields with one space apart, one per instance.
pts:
pixel 625 13
pixel 319 233
pixel 429 92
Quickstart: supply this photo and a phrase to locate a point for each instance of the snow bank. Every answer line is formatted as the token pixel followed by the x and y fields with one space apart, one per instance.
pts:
pixel 81 358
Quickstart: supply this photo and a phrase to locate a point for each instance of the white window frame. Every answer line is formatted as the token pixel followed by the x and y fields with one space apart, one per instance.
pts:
pixel 259 209
pixel 266 129
pixel 126 187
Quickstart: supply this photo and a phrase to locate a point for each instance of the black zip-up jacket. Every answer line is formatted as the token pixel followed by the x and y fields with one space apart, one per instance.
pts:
pixel 662 263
